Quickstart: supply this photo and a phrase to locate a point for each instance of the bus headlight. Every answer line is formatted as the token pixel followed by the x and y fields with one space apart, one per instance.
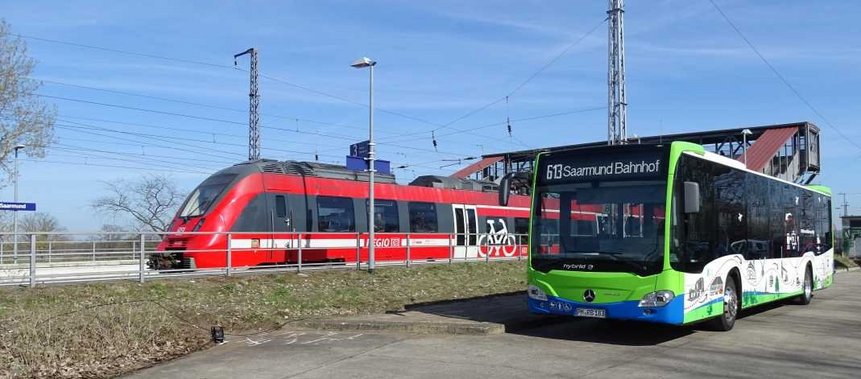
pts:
pixel 536 293
pixel 657 298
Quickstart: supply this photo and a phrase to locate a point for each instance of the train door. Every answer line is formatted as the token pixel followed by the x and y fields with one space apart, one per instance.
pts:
pixel 466 231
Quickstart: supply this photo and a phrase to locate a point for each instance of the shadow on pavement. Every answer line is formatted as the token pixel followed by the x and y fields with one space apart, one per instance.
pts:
pixel 511 310
pixel 611 332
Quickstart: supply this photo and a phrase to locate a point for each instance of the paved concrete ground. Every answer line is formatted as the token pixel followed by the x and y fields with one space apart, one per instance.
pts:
pixel 820 340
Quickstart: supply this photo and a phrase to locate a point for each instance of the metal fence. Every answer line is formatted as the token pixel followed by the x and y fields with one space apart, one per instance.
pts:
pixel 46 258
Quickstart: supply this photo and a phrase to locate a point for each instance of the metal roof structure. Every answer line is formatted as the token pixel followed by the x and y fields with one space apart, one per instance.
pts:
pixel 789 151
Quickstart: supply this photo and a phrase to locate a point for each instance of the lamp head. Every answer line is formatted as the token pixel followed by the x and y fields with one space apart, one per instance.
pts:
pixel 363 62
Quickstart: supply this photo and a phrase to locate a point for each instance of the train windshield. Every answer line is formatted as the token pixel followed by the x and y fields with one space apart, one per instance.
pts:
pixel 603 226
pixel 204 195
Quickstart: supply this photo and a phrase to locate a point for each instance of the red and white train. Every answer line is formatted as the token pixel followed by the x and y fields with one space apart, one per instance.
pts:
pixel 270 209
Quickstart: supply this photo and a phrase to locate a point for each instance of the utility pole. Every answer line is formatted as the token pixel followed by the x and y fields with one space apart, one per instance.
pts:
pixel 845 204
pixel 15 213
pixel 254 104
pixel 617 99
pixel 372 166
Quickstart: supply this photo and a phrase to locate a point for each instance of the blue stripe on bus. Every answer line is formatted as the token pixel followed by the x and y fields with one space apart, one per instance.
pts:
pixel 672 313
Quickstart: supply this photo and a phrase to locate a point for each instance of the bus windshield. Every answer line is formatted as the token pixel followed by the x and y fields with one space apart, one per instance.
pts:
pixel 204 195
pixel 602 226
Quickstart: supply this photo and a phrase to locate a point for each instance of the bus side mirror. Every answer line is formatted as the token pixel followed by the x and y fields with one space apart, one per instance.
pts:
pixel 692 197
pixel 505 189
pixel 505 185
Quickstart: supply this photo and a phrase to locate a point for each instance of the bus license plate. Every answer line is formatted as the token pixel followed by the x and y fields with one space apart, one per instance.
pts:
pixel 590 312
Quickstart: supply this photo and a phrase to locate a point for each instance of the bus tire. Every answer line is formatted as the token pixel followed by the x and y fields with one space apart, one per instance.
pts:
pixel 807 288
pixel 726 321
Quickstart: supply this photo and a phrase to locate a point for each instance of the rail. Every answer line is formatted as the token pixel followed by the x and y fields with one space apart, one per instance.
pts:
pixel 54 258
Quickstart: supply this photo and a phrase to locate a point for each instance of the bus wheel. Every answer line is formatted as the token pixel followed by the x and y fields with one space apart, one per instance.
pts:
pixel 807 293
pixel 730 307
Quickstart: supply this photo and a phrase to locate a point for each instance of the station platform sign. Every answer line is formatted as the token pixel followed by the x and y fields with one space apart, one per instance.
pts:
pixel 12 206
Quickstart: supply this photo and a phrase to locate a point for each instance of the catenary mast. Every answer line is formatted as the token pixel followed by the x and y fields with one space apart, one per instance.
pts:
pixel 617 100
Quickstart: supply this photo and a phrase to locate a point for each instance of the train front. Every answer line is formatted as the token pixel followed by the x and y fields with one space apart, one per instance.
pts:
pixel 196 237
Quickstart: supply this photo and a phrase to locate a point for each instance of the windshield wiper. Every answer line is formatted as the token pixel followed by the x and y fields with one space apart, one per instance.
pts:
pixel 200 204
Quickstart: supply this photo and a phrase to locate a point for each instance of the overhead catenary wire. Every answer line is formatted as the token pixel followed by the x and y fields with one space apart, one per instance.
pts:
pixel 155 163
pixel 263 75
pixel 266 76
pixel 224 121
pixel 217 65
pixel 197 104
pixel 185 139
pixel 174 129
pixel 137 168
pixel 782 78
pixel 519 86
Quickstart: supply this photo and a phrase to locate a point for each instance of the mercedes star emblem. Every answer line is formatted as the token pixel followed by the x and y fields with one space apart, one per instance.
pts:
pixel 589 295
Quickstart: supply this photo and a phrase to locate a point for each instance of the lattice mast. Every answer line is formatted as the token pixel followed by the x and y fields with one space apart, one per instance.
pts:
pixel 617 100
pixel 253 106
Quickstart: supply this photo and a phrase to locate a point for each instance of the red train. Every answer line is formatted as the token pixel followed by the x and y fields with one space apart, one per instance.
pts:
pixel 271 208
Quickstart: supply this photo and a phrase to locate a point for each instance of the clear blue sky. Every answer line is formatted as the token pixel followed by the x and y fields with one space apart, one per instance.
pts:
pixel 687 70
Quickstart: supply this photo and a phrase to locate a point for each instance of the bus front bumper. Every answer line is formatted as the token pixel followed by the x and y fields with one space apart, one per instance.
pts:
pixel 672 313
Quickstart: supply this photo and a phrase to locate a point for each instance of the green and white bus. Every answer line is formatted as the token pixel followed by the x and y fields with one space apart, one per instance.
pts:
pixel 671 234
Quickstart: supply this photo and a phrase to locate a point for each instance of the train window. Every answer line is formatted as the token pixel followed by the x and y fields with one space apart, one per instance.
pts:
pixel 521 229
pixel 521 225
pixel 423 217
pixel 335 214
pixel 386 216
pixel 280 206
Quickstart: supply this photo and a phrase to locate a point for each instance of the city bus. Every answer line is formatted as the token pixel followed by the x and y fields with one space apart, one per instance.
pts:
pixel 683 235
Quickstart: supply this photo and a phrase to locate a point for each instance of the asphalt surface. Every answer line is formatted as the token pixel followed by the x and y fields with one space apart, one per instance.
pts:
pixel 821 340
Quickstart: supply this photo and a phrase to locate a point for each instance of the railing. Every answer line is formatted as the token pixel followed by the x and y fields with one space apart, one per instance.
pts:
pixel 45 258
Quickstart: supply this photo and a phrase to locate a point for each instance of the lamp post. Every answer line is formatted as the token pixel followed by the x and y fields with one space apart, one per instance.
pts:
pixel 744 134
pixel 362 63
pixel 15 213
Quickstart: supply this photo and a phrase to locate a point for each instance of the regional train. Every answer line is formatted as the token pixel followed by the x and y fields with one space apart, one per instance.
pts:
pixel 274 212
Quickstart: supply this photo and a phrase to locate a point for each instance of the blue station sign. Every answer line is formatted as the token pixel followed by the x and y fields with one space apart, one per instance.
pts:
pixel 361 149
pixel 10 206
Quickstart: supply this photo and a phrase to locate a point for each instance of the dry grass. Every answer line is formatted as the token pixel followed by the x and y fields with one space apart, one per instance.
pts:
pixel 102 330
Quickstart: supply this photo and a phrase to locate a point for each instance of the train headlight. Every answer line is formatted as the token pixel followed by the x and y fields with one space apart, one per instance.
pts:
pixel 657 298
pixel 536 293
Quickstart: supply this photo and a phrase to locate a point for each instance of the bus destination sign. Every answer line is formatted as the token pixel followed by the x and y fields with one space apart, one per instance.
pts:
pixel 584 167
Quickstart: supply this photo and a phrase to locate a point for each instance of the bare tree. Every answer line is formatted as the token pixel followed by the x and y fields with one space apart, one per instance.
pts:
pixel 40 222
pixel 24 118
pixel 113 233
pixel 150 202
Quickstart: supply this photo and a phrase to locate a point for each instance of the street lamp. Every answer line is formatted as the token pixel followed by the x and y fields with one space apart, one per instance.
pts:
pixel 362 63
pixel 15 213
pixel 744 134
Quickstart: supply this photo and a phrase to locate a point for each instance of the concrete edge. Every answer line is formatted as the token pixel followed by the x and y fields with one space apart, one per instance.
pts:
pixel 848 269
pixel 421 327
pixel 437 327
